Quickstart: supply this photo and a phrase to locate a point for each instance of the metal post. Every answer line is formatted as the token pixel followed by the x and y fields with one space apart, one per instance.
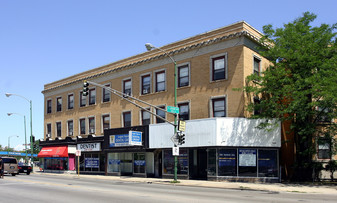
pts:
pixel 24 117
pixel 175 118
pixel 31 134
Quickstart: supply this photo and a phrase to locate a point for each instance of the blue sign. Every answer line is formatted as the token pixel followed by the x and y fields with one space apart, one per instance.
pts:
pixel 119 140
pixel 91 162
pixel 114 161
pixel 139 162
pixel 227 157
pixel 136 138
pixel 16 154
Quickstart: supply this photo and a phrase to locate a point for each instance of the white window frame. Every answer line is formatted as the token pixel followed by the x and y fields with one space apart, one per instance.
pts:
pixel 141 83
pixel 155 80
pixel 211 66
pixel 102 122
pixel 211 112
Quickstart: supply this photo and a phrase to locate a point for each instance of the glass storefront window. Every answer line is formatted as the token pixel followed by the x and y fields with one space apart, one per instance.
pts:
pixel 247 162
pixel 139 163
pixel 182 166
pixel 92 162
pixel 56 163
pixel 268 163
pixel 113 163
pixel 227 162
pixel 212 162
pixel 126 163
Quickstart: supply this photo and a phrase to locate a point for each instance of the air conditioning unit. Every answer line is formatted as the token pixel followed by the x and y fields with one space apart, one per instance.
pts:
pixel 145 91
pixel 48 135
pixel 71 133
pixel 92 131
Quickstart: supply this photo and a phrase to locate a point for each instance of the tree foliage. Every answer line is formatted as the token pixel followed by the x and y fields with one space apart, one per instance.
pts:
pixel 300 84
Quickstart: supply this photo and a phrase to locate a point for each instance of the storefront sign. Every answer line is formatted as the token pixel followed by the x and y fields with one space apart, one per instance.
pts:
pixel 135 138
pixel 247 157
pixel 131 139
pixel 88 147
pixel 139 162
pixel 91 162
pixel 114 161
pixel 227 158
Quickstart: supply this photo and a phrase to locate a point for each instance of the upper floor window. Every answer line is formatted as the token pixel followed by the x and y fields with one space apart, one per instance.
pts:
pixel 48 130
pixel 106 121
pixel 58 129
pixel 59 104
pixel 92 125
pixel 323 114
pixel 70 101
pixel 70 128
pixel 106 94
pixel 160 81
pixel 257 67
pixel 92 96
pixel 49 106
pixel 83 99
pixel 127 87
pixel 219 68
pixel 146 118
pixel 146 84
pixel 183 76
pixel 82 126
pixel 257 108
pixel 323 148
pixel 184 112
pixel 162 114
pixel 219 107
pixel 127 119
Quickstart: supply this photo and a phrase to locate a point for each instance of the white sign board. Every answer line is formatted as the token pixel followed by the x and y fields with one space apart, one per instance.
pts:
pixel 175 151
pixel 135 138
pixel 78 153
pixel 88 147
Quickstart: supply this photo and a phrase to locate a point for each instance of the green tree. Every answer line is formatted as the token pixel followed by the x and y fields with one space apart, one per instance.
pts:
pixel 331 167
pixel 300 85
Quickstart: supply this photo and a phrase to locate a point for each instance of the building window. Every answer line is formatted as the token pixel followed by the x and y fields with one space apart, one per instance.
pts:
pixel 82 126
pixel 323 148
pixel 146 118
pixel 160 81
pixel 48 130
pixel 83 100
pixel 146 84
pixel 127 87
pixel 248 162
pixel 257 67
pixel 257 107
pixel 139 163
pixel 323 114
pixel 267 163
pixel 58 129
pixel 106 122
pixel 162 114
pixel 127 119
pixel 91 125
pixel 183 76
pixel 59 104
pixel 219 68
pixel 182 164
pixel 49 106
pixel 219 107
pixel 227 162
pixel 70 128
pixel 106 94
pixel 184 112
pixel 70 101
pixel 92 96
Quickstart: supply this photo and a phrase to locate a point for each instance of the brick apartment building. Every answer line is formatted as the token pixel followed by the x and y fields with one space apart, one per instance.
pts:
pixel 221 142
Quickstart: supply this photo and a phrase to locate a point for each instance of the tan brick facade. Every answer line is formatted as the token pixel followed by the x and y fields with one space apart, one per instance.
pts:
pixel 236 42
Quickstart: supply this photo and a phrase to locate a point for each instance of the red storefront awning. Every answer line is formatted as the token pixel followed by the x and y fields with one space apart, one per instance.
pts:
pixel 53 152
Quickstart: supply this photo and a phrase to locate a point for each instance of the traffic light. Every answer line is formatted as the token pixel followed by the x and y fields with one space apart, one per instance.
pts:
pixel 181 139
pixel 85 88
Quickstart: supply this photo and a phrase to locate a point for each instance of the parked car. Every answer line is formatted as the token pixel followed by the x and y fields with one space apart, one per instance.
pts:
pixel 24 168
pixel 10 165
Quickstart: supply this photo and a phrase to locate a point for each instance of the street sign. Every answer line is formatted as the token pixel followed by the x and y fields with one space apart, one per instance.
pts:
pixel 175 151
pixel 174 139
pixel 78 153
pixel 182 125
pixel 172 109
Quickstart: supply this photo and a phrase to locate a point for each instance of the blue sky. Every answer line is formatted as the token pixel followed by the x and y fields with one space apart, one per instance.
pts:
pixel 44 41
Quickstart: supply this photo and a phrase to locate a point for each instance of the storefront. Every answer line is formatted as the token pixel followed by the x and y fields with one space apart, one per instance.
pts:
pixel 220 148
pixel 127 152
pixel 58 155
pixel 92 159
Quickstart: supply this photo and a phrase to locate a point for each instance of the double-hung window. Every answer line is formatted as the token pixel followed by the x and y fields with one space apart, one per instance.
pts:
pixel 146 118
pixel 160 81
pixel 70 128
pixel 127 87
pixel 58 129
pixel 219 107
pixel 49 106
pixel 82 126
pixel 59 104
pixel 83 100
pixel 219 66
pixel 323 148
pixel 70 101
pixel 92 96
pixel 183 76
pixel 127 119
pixel 184 111
pixel 106 94
pixel 146 84
pixel 91 125
pixel 162 114
pixel 48 130
pixel 257 66
pixel 106 121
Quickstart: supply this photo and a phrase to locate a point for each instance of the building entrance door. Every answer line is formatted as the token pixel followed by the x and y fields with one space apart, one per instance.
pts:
pixel 198 164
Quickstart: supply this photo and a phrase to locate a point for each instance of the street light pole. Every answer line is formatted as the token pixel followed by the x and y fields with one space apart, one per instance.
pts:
pixel 150 47
pixel 31 123
pixel 24 118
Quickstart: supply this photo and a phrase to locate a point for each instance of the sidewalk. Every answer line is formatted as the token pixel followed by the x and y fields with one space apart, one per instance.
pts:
pixel 269 187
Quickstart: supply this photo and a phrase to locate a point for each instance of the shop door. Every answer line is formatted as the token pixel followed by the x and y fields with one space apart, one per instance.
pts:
pixel 198 164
